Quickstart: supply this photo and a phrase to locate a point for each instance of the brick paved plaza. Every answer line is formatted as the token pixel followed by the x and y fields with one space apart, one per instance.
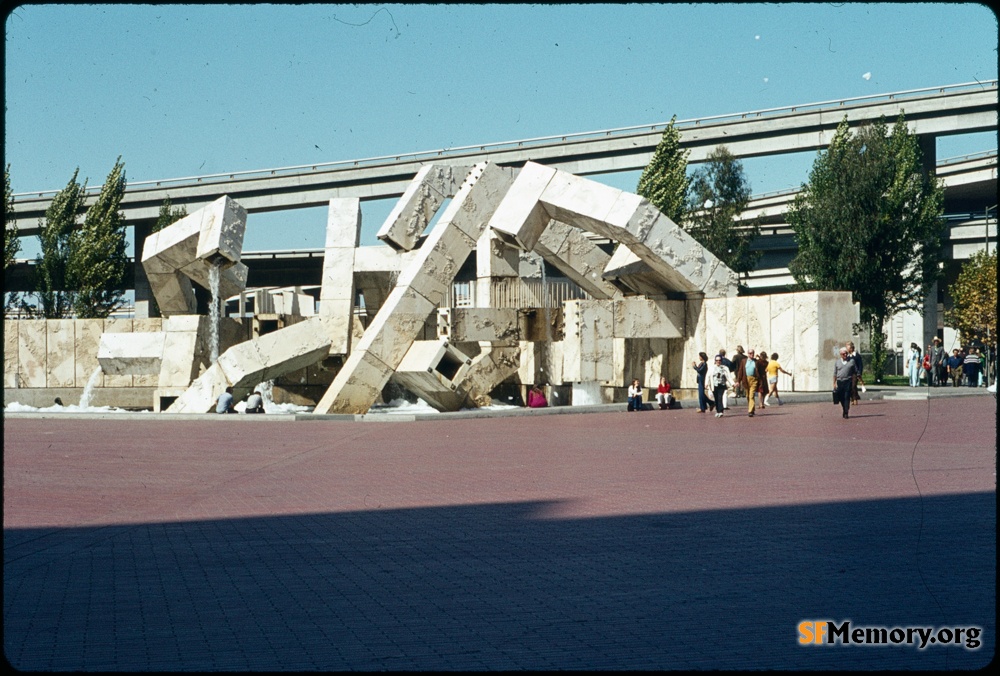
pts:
pixel 653 540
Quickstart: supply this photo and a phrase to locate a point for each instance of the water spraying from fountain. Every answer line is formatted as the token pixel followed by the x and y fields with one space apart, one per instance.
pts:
pixel 88 390
pixel 266 390
pixel 214 274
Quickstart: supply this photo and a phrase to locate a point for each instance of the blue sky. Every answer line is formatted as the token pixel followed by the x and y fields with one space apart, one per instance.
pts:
pixel 183 90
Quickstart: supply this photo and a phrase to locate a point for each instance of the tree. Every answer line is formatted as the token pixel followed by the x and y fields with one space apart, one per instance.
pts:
pixel 869 222
pixel 11 244
pixel 975 298
pixel 664 181
pixel 718 194
pixel 99 261
pixel 54 295
pixel 168 215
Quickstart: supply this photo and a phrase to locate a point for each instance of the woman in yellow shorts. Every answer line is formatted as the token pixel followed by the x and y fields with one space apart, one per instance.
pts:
pixel 772 378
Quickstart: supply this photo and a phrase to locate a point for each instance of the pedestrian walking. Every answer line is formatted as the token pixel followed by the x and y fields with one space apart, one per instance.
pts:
pixel 746 377
pixel 720 378
pixel 844 372
pixel 913 364
pixel 701 368
pixel 773 367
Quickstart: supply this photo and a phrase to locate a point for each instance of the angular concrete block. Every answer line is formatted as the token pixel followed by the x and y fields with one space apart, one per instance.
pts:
pixel 759 323
pixel 432 185
pixel 582 203
pixel 570 251
pixel 172 247
pixel 343 223
pixel 203 393
pixel 432 275
pixel 644 318
pixel 88 338
pixel 220 235
pixel 131 353
pixel 434 370
pixel 495 261
pixel 493 365
pixel 185 351
pixel 400 321
pixel 806 343
pixel 715 327
pixel 10 351
pixel 587 346
pixel 477 199
pixel 479 324
pixel 277 353
pixel 209 237
pixel 541 363
pixel 60 353
pixel 356 386
pixel 31 353
pixel 737 318
pixel 520 219
pixel 174 293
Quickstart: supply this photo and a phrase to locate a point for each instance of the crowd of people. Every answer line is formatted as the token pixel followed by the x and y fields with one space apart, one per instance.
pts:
pixel 935 367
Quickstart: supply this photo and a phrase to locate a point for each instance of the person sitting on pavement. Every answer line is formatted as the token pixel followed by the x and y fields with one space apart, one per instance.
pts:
pixel 536 398
pixel 255 402
pixel 224 404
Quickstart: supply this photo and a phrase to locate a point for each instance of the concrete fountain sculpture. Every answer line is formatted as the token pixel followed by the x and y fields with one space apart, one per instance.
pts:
pixel 650 297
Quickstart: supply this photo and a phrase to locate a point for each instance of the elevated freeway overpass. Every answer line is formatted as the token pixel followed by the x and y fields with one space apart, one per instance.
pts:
pixel 930 112
pixel 970 184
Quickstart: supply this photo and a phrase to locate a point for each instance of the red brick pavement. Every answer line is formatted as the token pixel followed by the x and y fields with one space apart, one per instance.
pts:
pixel 660 539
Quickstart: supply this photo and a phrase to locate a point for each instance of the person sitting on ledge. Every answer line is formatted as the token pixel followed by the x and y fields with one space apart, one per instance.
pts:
pixel 224 404
pixel 536 398
pixel 255 402
pixel 635 396
pixel 663 395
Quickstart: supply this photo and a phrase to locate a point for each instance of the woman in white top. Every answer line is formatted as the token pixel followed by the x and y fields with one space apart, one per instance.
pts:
pixel 635 396
pixel 913 364
pixel 719 378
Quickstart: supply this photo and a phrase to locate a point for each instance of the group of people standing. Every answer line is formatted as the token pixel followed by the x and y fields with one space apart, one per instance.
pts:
pixel 936 367
pixel 749 373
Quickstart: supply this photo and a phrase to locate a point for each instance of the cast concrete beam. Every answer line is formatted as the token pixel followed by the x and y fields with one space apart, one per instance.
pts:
pixel 433 184
pixel 541 193
pixel 420 289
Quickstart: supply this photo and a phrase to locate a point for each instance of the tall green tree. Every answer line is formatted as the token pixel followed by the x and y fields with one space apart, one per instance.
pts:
pixel 55 299
pixel 11 243
pixel 99 261
pixel 974 294
pixel 869 222
pixel 718 194
pixel 664 181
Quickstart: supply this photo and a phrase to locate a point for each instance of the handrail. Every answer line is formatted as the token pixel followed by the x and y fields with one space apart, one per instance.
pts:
pixel 540 140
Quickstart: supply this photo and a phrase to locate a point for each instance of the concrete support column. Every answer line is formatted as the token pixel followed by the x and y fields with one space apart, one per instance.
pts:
pixel 928 150
pixel 144 305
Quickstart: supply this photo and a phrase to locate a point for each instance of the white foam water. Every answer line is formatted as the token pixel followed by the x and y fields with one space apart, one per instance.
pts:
pixel 214 274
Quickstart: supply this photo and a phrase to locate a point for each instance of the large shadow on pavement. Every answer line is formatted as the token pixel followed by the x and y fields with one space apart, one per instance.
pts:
pixel 501 586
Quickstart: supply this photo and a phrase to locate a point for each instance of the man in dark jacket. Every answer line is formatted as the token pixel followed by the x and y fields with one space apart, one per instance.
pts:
pixel 855 356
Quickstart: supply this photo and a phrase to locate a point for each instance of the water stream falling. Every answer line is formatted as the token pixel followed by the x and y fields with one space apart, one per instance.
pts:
pixel 88 390
pixel 266 390
pixel 214 273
